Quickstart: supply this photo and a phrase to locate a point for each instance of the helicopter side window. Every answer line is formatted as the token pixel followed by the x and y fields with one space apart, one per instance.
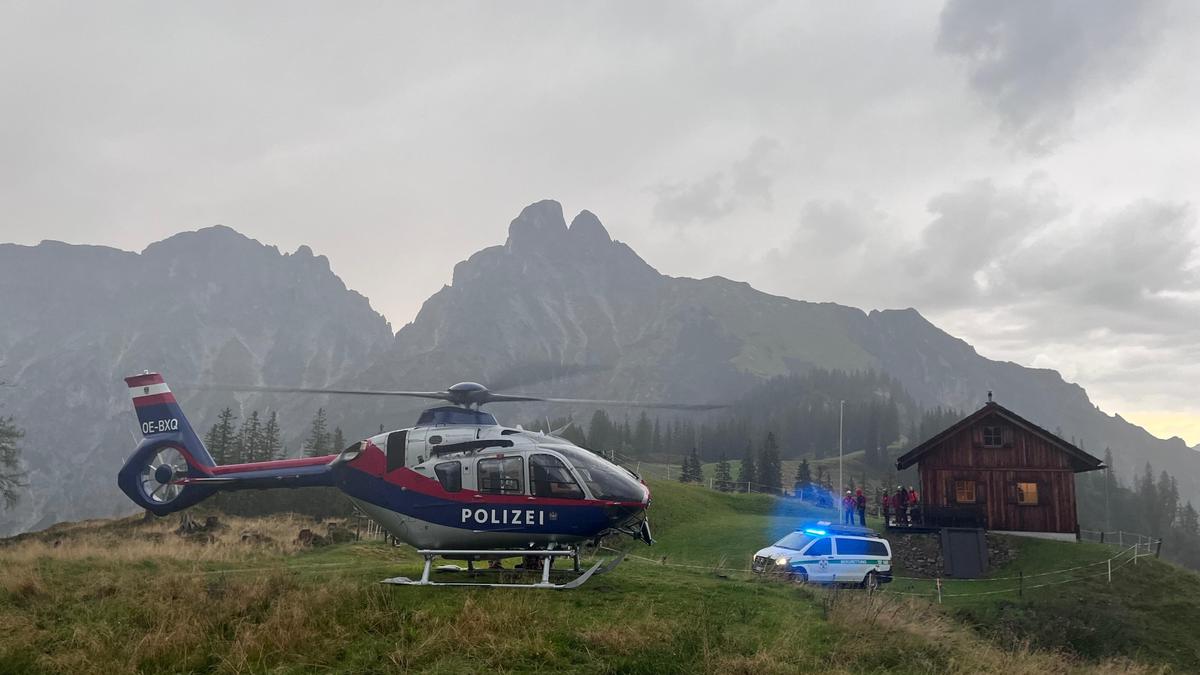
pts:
pixel 549 477
pixel 449 474
pixel 501 475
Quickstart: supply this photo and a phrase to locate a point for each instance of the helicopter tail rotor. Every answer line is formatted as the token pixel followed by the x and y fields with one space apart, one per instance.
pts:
pixel 171 469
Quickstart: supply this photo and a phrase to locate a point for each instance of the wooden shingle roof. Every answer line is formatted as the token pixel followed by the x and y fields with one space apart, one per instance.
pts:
pixel 1080 459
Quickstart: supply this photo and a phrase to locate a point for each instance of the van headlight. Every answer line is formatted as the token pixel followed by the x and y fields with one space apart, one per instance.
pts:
pixel 781 560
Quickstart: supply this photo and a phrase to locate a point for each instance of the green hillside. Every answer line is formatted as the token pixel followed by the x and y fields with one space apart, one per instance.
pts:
pixel 128 596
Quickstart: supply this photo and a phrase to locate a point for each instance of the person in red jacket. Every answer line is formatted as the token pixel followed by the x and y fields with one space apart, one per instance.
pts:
pixel 913 504
pixel 860 503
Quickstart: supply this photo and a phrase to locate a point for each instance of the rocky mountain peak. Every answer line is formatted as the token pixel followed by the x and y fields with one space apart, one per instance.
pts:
pixel 539 226
pixel 587 230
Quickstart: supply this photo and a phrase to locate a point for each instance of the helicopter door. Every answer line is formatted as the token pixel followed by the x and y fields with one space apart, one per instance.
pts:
pixel 397 446
pixel 415 452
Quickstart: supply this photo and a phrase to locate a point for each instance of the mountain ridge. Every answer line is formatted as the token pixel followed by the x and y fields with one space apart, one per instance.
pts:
pixel 215 305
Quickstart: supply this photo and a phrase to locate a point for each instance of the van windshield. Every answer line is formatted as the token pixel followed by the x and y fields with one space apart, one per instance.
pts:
pixel 794 541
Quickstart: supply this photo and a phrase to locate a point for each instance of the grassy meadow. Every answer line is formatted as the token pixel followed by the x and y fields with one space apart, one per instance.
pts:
pixel 131 596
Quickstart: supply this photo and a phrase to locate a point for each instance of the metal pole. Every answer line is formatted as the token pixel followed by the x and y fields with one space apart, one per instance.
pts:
pixel 939 590
pixel 1110 570
pixel 841 416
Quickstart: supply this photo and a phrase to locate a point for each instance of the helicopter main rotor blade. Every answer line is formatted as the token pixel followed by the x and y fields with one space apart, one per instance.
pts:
pixel 496 398
pixel 437 395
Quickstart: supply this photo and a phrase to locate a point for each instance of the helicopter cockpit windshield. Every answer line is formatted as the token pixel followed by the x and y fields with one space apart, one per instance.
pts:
pixel 449 415
pixel 604 480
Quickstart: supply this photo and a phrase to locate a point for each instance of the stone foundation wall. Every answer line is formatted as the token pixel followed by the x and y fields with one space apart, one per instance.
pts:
pixel 920 554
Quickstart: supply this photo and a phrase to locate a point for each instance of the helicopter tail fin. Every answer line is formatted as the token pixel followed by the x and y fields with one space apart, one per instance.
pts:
pixel 170 451
pixel 160 416
pixel 171 469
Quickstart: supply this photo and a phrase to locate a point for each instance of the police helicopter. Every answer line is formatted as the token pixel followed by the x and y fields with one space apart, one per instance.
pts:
pixel 457 485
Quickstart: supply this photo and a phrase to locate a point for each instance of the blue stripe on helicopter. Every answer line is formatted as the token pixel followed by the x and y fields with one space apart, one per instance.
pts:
pixel 583 520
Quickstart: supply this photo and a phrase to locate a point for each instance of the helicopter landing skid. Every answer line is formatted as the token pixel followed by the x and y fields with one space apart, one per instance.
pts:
pixel 547 557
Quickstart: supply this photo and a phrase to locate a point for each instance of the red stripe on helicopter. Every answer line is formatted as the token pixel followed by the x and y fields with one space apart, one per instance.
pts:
pixel 143 380
pixel 374 464
pixel 274 464
pixel 153 399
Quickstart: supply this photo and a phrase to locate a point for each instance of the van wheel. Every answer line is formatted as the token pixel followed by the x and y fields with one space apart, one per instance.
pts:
pixel 799 575
pixel 871 582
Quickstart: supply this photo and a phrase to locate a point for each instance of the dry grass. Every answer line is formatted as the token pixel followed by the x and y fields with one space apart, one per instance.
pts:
pixel 919 621
pixel 156 540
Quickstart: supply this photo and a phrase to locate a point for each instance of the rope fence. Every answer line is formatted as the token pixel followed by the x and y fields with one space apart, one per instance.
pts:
pixel 1121 559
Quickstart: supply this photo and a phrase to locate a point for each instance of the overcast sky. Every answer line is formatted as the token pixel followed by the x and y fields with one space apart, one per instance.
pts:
pixel 1024 173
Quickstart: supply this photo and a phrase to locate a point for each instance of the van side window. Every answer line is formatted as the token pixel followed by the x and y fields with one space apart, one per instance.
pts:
pixel 549 477
pixel 820 547
pixel 449 474
pixel 877 548
pixel 851 546
pixel 501 475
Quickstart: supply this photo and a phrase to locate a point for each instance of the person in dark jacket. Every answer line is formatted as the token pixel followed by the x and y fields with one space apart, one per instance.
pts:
pixel 860 502
pixel 900 502
pixel 914 510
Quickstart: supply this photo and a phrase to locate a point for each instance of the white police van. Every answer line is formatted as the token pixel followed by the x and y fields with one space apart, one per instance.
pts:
pixel 829 554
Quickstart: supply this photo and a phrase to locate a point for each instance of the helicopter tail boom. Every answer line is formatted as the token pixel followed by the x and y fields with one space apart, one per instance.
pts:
pixel 171 469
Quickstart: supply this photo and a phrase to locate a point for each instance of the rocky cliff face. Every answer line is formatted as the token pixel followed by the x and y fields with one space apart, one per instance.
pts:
pixel 201 306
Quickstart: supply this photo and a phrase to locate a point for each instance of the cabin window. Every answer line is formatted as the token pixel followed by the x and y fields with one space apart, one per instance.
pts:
pixel 992 437
pixel 500 475
pixel 964 491
pixel 1027 494
pixel 449 474
pixel 549 477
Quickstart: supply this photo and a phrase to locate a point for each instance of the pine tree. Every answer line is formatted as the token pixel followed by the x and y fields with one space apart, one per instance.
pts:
pixel 685 469
pixel 643 436
pixel 250 440
pixel 272 447
pixel 317 443
pixel 723 479
pixel 803 476
pixel 693 472
pixel 222 438
pixel 770 465
pixel 748 471
pixel 12 477
pixel 600 431
pixel 339 440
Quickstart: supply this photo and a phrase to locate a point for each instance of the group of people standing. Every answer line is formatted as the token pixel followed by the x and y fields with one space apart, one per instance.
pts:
pixel 900 508
pixel 854 503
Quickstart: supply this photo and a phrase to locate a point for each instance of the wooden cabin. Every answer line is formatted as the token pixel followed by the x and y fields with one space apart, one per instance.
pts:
pixel 1000 471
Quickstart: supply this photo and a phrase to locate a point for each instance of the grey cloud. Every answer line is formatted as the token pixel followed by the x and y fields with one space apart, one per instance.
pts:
pixel 684 203
pixel 975 228
pixel 1034 62
pixel 747 182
